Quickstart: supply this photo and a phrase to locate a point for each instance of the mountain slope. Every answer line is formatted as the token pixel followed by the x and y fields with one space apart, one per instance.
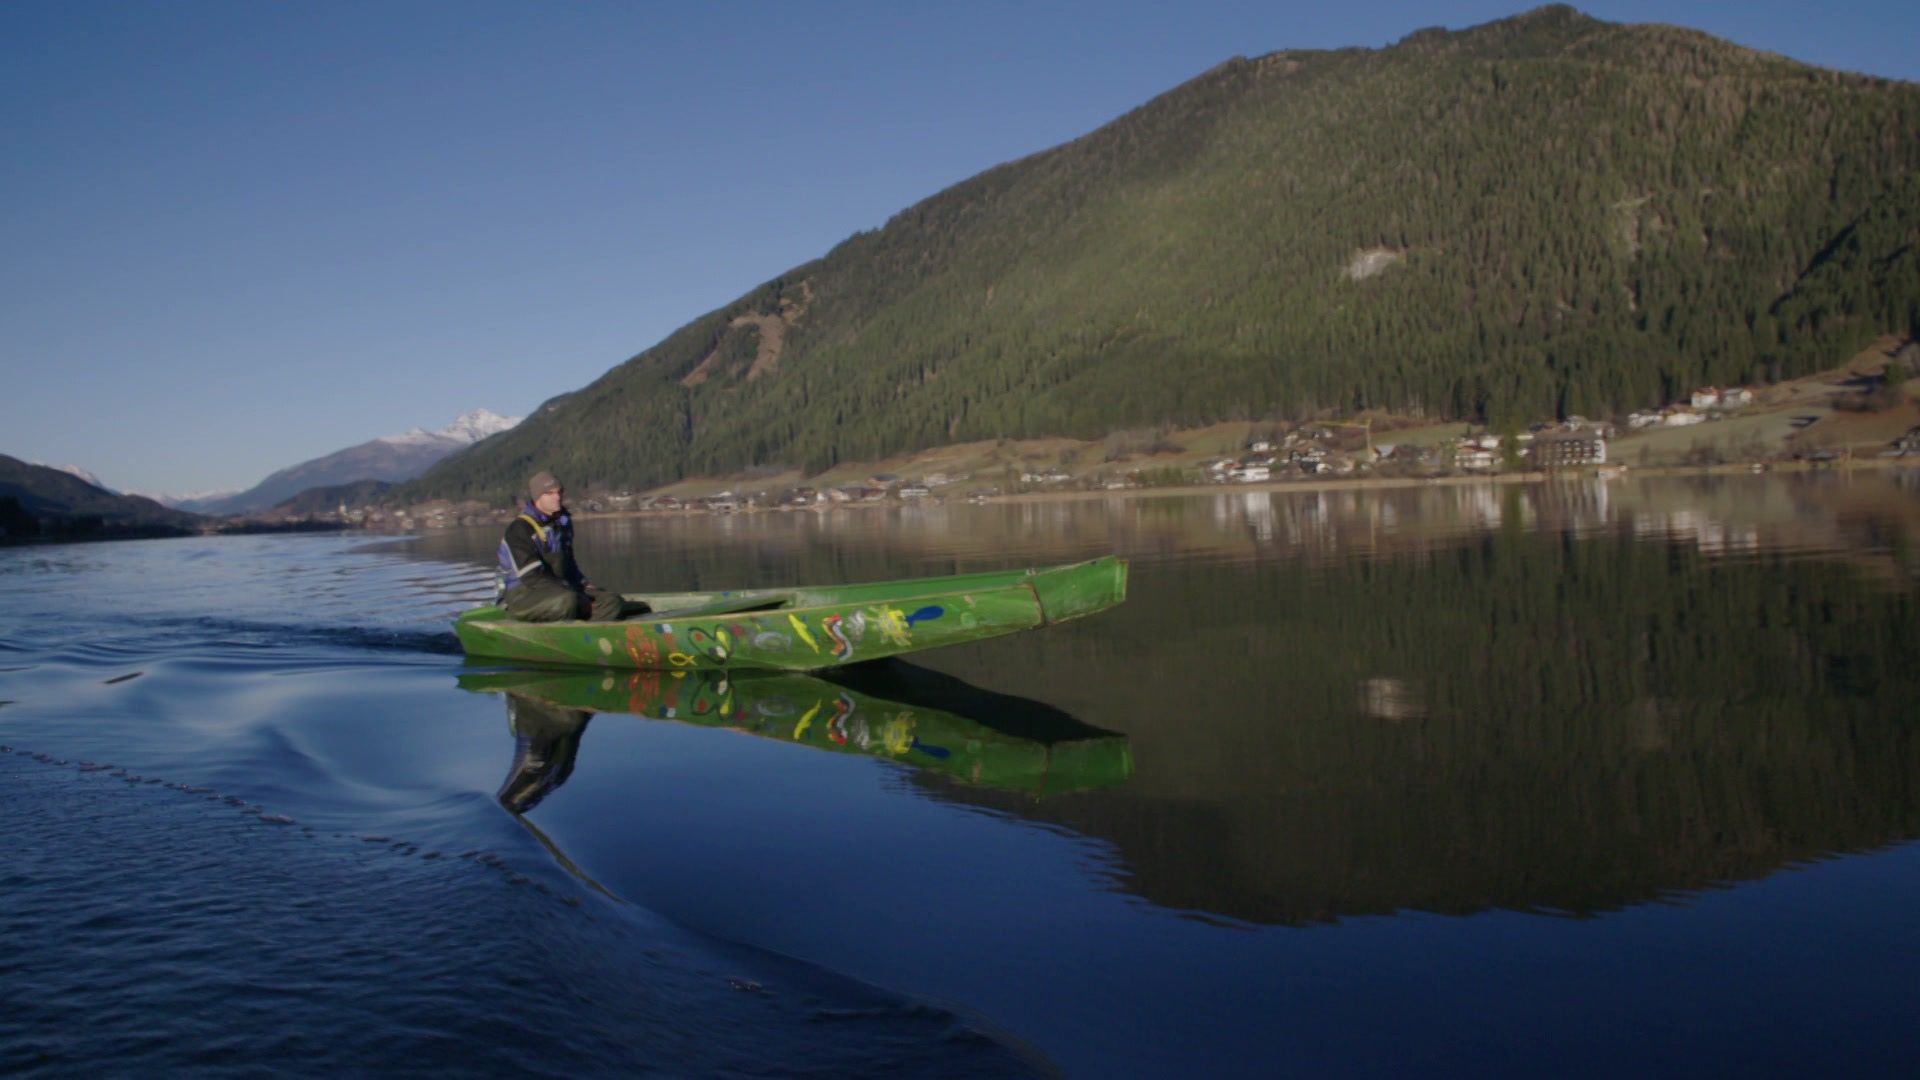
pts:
pixel 391 458
pixel 322 500
pixel 84 474
pixel 1544 214
pixel 36 500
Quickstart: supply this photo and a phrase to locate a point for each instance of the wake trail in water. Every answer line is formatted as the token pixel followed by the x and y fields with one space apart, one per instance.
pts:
pixel 235 595
pixel 241 788
pixel 349 951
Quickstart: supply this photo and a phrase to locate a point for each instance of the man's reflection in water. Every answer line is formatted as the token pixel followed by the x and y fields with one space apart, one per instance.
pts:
pixel 546 739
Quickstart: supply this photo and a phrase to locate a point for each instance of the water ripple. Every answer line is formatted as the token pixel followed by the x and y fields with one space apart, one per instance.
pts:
pixel 254 937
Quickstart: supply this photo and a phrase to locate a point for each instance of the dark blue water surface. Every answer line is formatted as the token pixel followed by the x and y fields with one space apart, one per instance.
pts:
pixel 1563 777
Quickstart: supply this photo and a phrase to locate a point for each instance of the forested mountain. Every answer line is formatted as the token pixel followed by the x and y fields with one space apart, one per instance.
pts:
pixel 38 501
pixel 1544 215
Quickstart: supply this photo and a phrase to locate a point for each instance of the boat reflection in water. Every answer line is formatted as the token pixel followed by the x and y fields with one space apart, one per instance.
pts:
pixel 889 710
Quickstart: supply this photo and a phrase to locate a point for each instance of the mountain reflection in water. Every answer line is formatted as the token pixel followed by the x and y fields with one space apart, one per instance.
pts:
pixel 254 813
pixel 1524 720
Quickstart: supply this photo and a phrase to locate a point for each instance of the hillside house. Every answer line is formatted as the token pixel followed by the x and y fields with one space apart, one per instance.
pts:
pixel 1411 454
pixel 1051 476
pixel 1474 457
pixel 1706 397
pixel 1565 448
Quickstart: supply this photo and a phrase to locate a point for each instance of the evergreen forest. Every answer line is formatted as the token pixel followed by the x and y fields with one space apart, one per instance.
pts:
pixel 1544 216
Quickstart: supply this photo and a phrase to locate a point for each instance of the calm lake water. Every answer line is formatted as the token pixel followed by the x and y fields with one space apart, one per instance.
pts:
pixel 1584 777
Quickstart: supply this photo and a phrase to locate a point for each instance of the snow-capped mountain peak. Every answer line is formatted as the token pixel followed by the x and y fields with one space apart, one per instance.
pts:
pixel 466 429
pixel 390 458
pixel 192 500
pixel 478 424
pixel 411 437
pixel 81 474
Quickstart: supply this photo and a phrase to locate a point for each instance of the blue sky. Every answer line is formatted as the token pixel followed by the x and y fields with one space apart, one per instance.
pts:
pixel 235 236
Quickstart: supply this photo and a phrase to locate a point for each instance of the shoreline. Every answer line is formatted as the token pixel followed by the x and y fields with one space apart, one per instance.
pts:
pixel 1301 486
pixel 1305 486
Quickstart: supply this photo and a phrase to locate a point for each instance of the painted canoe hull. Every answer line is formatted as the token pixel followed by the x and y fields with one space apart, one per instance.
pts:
pixel 1061 756
pixel 805 629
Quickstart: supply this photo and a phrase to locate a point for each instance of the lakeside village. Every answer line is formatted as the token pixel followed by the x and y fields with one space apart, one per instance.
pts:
pixel 1270 454
pixel 1314 449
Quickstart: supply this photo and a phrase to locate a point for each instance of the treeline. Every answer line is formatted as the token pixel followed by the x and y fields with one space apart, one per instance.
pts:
pixel 1574 217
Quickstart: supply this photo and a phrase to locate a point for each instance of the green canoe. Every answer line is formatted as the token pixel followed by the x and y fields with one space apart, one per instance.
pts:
pixel 805 629
pixel 1018 744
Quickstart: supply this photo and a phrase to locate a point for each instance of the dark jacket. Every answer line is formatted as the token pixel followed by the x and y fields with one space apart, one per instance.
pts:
pixel 539 549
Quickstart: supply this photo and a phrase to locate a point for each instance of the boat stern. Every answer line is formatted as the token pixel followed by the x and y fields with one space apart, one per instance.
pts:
pixel 1069 592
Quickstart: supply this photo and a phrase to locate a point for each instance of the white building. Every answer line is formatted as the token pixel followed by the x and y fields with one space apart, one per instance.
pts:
pixel 1569 448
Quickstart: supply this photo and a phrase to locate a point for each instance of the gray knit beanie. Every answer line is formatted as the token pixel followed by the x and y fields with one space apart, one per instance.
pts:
pixel 542 482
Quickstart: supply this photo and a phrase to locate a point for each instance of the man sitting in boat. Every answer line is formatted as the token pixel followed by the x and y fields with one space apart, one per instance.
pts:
pixel 542 583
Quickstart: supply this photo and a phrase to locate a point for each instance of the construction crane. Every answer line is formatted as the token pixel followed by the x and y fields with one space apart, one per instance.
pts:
pixel 1365 426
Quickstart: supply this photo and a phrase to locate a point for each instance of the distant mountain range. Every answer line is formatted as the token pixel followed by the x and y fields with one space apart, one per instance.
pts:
pixel 390 458
pixel 45 502
pixel 1545 215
